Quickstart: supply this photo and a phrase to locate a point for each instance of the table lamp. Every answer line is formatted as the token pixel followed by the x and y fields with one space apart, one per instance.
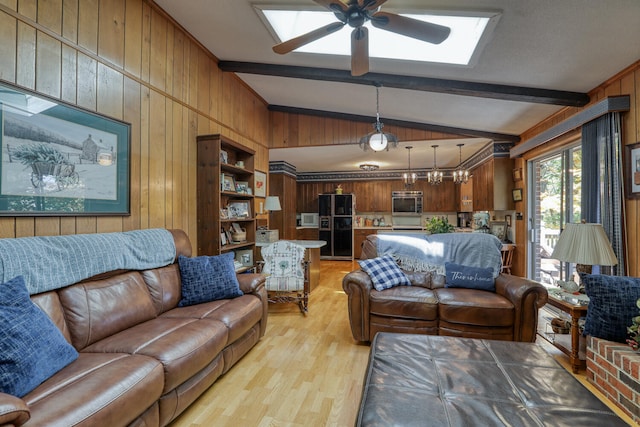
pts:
pixel 585 245
pixel 272 203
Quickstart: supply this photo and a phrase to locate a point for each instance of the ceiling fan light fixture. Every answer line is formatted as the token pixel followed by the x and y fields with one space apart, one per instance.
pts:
pixel 434 176
pixel 409 178
pixel 460 175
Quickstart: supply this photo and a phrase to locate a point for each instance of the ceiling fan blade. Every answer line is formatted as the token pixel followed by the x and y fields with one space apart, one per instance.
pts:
pixel 296 42
pixel 425 31
pixel 335 6
pixel 359 51
pixel 371 4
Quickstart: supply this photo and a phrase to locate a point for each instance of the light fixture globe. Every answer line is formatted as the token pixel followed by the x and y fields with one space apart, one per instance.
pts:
pixel 378 142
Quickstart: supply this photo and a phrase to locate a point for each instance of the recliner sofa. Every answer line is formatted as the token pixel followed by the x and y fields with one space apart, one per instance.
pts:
pixel 142 359
pixel 428 307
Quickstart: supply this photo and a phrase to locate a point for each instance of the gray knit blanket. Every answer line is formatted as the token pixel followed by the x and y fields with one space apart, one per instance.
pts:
pixel 53 262
pixel 420 252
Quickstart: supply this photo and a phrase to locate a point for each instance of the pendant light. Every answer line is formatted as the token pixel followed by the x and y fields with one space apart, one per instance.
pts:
pixel 369 167
pixel 409 178
pixel 460 175
pixel 378 140
pixel 434 176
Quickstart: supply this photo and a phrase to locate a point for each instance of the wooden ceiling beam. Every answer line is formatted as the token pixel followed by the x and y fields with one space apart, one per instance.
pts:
pixel 427 84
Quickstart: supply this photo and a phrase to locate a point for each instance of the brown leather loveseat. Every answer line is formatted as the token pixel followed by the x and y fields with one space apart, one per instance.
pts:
pixel 428 307
pixel 142 359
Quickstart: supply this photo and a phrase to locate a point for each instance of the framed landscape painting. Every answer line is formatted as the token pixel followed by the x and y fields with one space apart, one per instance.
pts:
pixel 57 159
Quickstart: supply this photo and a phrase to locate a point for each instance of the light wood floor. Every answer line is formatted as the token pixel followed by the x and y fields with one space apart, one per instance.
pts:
pixel 305 371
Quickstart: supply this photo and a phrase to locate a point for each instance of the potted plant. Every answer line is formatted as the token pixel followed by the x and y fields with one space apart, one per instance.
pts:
pixel 634 332
pixel 438 225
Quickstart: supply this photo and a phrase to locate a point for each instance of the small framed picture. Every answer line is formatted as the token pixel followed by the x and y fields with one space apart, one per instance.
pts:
pixel 498 229
pixel 224 213
pixel 239 209
pixel 517 174
pixel 223 238
pixel 508 219
pixel 260 183
pixel 517 194
pixel 632 170
pixel 245 257
pixel 228 184
pixel 224 157
pixel 242 187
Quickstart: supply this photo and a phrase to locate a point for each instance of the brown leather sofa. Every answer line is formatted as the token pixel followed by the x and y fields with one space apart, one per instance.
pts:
pixel 142 360
pixel 427 307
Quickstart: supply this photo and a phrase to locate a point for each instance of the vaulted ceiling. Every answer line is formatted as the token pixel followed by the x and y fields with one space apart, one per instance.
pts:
pixel 542 55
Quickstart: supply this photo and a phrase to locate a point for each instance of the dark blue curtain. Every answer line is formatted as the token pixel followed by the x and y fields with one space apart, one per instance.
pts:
pixel 602 191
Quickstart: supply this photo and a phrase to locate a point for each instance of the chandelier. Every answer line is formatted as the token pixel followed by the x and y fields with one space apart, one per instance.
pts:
pixel 434 176
pixel 378 140
pixel 369 167
pixel 460 175
pixel 409 178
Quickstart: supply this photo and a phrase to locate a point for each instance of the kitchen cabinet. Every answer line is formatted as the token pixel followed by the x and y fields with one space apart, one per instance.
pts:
pixel 308 233
pixel 221 161
pixel 492 185
pixel 359 236
pixel 465 196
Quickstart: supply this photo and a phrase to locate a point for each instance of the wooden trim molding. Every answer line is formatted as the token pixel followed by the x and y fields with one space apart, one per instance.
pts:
pixel 609 105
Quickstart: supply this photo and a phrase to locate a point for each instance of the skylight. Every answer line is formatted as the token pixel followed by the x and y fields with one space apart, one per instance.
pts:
pixel 468 29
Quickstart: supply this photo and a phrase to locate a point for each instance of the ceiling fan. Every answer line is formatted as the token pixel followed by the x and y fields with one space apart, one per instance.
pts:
pixel 355 13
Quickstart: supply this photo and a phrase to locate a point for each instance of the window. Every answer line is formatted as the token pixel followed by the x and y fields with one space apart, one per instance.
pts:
pixel 555 187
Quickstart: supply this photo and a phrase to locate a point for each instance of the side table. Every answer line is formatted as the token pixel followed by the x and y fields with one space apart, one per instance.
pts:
pixel 576 311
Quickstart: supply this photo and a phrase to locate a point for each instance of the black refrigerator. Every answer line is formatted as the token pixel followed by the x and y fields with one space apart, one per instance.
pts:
pixel 336 225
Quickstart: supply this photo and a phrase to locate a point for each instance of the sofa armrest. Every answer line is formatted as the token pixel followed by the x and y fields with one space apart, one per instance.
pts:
pixel 527 296
pixel 251 283
pixel 254 283
pixel 13 410
pixel 357 285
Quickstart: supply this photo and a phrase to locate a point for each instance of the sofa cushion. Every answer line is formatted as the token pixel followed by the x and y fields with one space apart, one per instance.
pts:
pixel 463 276
pixel 32 348
pixel 474 307
pixel 384 272
pixel 407 302
pixel 98 389
pixel 612 305
pixel 207 279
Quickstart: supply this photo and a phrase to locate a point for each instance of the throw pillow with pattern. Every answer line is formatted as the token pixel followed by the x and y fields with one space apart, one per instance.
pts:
pixel 384 272
pixel 208 278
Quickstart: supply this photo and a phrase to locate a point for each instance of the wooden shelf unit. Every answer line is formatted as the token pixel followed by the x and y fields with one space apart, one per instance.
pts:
pixel 211 198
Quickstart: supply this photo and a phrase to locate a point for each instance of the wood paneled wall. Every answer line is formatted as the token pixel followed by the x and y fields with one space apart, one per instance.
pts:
pixel 126 59
pixel 627 82
pixel 298 130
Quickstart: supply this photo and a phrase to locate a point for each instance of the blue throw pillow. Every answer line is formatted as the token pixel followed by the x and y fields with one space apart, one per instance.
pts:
pixel 384 272
pixel 612 305
pixel 208 278
pixel 32 348
pixel 462 276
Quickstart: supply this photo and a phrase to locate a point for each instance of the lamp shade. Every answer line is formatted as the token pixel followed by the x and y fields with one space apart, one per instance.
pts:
pixel 584 244
pixel 272 203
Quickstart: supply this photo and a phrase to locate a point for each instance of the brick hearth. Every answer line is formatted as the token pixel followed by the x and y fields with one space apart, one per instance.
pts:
pixel 614 369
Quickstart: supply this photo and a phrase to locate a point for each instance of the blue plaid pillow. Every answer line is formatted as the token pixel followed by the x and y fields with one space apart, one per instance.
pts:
pixel 208 278
pixel 612 305
pixel 32 348
pixel 384 272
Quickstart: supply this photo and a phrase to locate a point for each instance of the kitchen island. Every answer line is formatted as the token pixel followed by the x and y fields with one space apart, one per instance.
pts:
pixel 312 254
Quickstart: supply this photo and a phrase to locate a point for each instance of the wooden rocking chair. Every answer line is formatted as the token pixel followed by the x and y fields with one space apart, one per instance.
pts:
pixel 287 274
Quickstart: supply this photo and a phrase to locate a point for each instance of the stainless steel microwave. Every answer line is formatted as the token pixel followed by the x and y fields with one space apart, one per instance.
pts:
pixel 406 203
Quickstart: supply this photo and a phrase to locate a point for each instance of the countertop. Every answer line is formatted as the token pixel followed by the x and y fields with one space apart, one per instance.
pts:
pixel 309 244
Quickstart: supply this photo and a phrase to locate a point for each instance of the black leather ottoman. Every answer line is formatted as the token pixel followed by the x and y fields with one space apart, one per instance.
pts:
pixel 426 380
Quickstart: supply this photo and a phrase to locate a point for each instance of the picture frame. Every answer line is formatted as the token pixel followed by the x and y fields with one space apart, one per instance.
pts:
pixel 224 157
pixel 223 238
pixel 57 159
pixel 242 187
pixel 224 213
pixel 517 174
pixel 245 257
pixel 239 209
pixel 228 184
pixel 632 171
pixel 498 229
pixel 260 184
pixel 516 194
